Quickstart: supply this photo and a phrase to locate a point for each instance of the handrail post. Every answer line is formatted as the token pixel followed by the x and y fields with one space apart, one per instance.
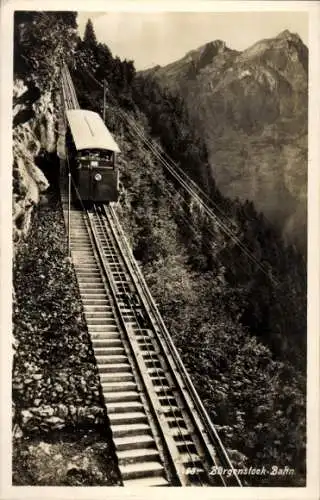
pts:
pixel 104 101
pixel 69 210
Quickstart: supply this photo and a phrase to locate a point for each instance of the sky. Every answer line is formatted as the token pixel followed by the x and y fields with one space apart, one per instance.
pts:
pixel 151 38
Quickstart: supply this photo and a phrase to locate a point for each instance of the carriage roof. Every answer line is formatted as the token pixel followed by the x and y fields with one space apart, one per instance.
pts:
pixel 89 131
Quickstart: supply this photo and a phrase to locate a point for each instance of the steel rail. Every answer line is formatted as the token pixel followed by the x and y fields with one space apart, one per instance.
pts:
pixel 160 371
pixel 156 411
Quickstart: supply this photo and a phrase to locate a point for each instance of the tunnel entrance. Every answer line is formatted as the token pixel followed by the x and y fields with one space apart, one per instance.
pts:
pixel 49 164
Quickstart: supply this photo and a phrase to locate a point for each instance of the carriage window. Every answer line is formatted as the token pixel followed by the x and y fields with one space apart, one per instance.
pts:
pixel 101 158
pixel 102 154
pixel 106 155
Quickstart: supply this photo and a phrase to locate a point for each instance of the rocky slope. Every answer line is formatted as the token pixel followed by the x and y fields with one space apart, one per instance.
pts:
pixel 41 42
pixel 251 107
pixel 33 133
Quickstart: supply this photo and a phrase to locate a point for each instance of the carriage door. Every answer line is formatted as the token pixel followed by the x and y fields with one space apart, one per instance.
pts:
pixel 93 171
pixel 95 180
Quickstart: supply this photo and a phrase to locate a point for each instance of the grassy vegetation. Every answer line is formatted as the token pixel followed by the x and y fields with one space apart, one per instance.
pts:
pixel 60 423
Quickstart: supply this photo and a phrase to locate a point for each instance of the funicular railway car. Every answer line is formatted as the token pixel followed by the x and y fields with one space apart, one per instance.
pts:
pixel 92 157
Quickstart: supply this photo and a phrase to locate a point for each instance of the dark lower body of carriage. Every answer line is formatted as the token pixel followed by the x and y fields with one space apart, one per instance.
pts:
pixel 95 184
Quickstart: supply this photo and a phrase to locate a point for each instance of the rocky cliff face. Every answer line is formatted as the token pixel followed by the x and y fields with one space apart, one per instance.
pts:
pixel 33 137
pixel 251 107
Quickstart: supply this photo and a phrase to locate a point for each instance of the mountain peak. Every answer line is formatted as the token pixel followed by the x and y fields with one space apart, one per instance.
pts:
pixel 219 45
pixel 204 55
pixel 215 46
pixel 287 35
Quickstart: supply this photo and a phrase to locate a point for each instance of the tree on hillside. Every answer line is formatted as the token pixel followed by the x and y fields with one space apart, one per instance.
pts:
pixel 41 41
pixel 89 37
pixel 104 61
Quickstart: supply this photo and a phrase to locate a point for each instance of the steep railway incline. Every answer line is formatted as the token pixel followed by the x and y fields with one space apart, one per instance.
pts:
pixel 134 439
pixel 162 434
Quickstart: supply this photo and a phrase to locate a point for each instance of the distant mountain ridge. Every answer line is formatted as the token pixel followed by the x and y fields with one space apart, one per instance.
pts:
pixel 252 108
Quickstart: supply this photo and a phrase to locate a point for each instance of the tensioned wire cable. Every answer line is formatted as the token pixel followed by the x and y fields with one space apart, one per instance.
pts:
pixel 183 200
pixel 192 225
pixel 181 214
pixel 185 183
pixel 236 241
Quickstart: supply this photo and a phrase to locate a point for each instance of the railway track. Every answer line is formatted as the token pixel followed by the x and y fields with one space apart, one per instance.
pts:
pixel 122 391
pixel 161 431
pixel 68 91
